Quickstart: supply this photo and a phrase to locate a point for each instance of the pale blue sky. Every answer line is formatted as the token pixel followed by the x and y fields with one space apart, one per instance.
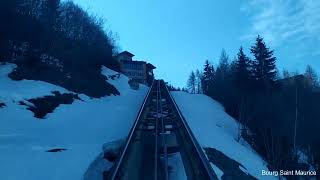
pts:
pixel 177 36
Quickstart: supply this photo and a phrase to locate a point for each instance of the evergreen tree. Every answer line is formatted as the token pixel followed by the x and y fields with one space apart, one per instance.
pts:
pixel 30 8
pixel 264 68
pixel 285 74
pixel 223 68
pixel 222 77
pixel 192 83
pixel 311 76
pixel 208 77
pixel 241 71
pixel 199 78
pixel 222 90
pixel 49 12
pixel 241 81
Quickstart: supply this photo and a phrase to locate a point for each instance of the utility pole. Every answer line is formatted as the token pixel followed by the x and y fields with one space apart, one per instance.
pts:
pixel 295 124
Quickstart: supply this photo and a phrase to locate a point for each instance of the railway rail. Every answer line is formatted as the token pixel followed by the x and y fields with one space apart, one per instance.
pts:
pixel 158 131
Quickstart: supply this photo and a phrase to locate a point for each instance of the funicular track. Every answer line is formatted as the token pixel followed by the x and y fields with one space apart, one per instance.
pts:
pixel 159 131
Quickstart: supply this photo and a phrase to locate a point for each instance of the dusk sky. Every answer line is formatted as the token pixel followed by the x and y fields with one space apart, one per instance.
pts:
pixel 177 36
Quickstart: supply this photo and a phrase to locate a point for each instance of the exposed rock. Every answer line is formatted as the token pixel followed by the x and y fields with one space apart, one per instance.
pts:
pixel 101 167
pixel 133 84
pixel 2 105
pixel 231 168
pixel 49 69
pixel 56 150
pixel 47 104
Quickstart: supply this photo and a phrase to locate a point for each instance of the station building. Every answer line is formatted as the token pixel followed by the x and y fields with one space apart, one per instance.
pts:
pixel 137 71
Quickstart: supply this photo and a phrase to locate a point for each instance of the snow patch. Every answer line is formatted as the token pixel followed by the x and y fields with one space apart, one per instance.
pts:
pixel 177 170
pixel 218 171
pixel 81 128
pixel 213 127
pixel 101 165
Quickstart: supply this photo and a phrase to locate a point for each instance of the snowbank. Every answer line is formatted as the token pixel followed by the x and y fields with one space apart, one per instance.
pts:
pixel 213 127
pixel 81 128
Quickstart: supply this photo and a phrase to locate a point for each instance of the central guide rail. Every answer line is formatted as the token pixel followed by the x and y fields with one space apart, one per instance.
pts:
pixel 159 131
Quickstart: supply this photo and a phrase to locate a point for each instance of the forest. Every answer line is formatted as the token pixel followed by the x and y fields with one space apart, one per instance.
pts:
pixel 278 112
pixel 57 42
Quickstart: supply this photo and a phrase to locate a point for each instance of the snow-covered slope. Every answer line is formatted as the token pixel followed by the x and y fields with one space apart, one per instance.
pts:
pixel 81 128
pixel 214 128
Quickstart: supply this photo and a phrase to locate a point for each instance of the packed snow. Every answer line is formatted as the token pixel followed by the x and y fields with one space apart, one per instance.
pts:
pixel 81 128
pixel 177 170
pixel 213 127
pixel 218 171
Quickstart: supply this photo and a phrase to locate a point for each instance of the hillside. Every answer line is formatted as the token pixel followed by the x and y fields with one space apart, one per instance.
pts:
pixel 68 141
pixel 217 132
pixel 65 142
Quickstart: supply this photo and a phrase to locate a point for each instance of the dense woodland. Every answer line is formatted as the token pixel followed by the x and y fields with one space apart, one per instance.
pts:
pixel 279 112
pixel 57 42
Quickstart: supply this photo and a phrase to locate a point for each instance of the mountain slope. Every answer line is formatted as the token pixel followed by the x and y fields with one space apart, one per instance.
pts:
pixel 66 141
pixel 217 132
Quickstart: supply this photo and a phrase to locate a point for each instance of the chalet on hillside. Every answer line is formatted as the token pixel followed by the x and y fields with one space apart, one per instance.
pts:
pixel 138 71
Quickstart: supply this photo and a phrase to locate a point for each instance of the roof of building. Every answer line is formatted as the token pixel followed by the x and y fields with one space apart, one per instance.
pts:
pixel 151 66
pixel 126 53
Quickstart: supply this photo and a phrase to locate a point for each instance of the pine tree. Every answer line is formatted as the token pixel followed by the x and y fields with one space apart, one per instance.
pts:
pixel 50 12
pixel 221 91
pixel 208 77
pixel 223 68
pixel 241 71
pixel 192 83
pixel 264 68
pixel 311 76
pixel 285 74
pixel 223 75
pixel 241 77
pixel 199 78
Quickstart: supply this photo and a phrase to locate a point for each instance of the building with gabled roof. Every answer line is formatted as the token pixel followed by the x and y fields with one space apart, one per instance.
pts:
pixel 138 71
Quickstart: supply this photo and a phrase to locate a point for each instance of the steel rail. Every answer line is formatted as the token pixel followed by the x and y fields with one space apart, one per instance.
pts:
pixel 198 148
pixel 163 137
pixel 131 133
